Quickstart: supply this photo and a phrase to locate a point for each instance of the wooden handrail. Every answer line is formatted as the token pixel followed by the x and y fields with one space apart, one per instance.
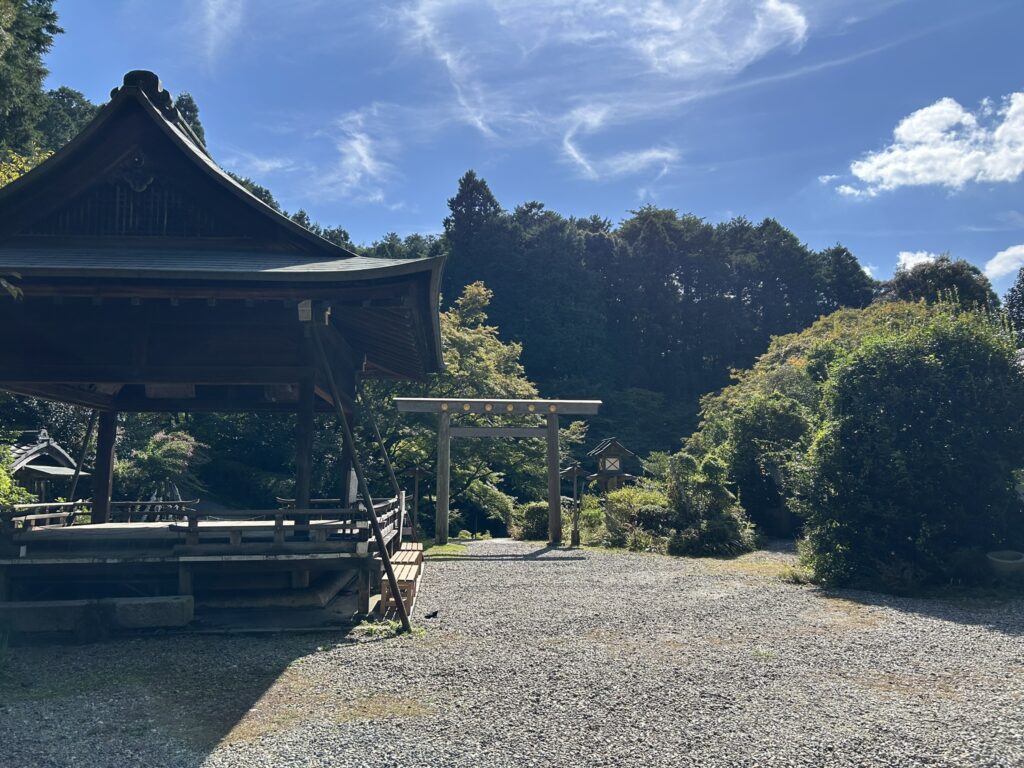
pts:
pixel 52 504
pixel 179 503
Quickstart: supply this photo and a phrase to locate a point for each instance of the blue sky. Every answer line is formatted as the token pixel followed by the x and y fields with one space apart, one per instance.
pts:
pixel 895 128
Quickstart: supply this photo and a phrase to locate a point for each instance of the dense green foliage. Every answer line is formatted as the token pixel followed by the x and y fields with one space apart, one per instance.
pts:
pixel 706 516
pixel 942 279
pixel 892 432
pixel 1013 303
pixel 27 29
pixel 909 477
pixel 531 521
pixel 163 468
pixel 674 301
pixel 10 492
pixel 633 509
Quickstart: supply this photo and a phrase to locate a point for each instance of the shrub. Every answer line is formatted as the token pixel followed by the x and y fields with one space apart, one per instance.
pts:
pixel 708 519
pixel 639 540
pixel 10 491
pixel 765 434
pixel 486 507
pixel 591 519
pixel 622 510
pixel 167 459
pixel 760 426
pixel 654 518
pixel 909 478
pixel 532 521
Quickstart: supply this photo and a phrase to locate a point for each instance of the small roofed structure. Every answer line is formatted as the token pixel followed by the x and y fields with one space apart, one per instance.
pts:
pixel 41 464
pixel 151 281
pixel 612 457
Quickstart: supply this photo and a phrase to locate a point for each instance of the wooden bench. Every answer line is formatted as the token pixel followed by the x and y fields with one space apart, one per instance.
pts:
pixel 408 577
pixel 407 556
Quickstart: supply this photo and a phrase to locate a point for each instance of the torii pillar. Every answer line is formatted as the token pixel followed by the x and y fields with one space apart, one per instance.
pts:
pixel 447 407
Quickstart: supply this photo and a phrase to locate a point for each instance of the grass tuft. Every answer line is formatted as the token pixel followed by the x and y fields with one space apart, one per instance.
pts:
pixel 451 549
pixel 385 630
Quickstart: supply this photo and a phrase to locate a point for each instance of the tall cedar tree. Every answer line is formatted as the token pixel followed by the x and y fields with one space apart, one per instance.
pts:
pixel 27 29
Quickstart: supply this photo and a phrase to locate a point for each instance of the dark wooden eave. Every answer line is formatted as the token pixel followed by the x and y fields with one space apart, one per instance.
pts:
pixel 132 237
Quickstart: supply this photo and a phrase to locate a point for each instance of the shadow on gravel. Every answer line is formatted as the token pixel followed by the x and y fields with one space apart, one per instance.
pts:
pixel 174 698
pixel 996 610
pixel 537 555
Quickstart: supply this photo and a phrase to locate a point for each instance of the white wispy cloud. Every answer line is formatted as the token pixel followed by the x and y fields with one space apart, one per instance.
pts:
pixel 1004 263
pixel 946 145
pixel 539 70
pixel 578 77
pixel 249 164
pixel 910 259
pixel 215 22
pixel 362 168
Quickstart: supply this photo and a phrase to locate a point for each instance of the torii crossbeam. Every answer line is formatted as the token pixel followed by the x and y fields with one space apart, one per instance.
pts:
pixel 446 407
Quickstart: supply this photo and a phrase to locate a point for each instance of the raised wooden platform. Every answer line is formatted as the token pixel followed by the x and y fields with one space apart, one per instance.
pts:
pixel 235 558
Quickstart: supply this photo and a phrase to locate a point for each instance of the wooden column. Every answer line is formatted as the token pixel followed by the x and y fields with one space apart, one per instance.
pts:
pixel 554 483
pixel 416 504
pixel 303 460
pixel 103 474
pixel 345 472
pixel 444 460
pixel 304 445
pixel 574 535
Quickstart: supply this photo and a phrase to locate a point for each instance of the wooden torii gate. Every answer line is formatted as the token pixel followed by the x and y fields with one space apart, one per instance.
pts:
pixel 446 407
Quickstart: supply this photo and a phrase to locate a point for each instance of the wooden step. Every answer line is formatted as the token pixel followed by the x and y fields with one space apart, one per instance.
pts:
pixel 412 546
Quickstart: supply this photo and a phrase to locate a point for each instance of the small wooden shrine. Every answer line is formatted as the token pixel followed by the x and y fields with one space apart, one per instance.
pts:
pixel 612 460
pixel 41 465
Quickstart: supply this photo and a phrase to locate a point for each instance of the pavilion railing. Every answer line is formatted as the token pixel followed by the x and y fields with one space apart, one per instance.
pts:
pixel 319 524
pixel 52 514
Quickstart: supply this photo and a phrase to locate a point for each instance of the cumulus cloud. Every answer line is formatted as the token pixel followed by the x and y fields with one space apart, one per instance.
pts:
pixel 910 259
pixel 946 145
pixel 1004 263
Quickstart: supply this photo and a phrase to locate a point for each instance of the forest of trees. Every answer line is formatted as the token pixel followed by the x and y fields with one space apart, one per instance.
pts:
pixel 650 315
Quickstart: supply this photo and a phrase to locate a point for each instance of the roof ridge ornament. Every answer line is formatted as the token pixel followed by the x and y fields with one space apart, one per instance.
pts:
pixel 149 83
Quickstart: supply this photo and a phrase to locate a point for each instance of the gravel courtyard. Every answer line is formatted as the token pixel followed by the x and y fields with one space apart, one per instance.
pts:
pixel 551 657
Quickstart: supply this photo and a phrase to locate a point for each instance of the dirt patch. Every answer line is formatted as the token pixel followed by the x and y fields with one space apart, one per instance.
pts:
pixel 911 685
pixel 849 614
pixel 294 698
pixel 762 564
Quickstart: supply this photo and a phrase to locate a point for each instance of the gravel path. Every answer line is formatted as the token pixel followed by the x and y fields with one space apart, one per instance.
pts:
pixel 553 657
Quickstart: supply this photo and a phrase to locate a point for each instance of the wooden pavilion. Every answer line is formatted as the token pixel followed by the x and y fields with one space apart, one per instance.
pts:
pixel 153 282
